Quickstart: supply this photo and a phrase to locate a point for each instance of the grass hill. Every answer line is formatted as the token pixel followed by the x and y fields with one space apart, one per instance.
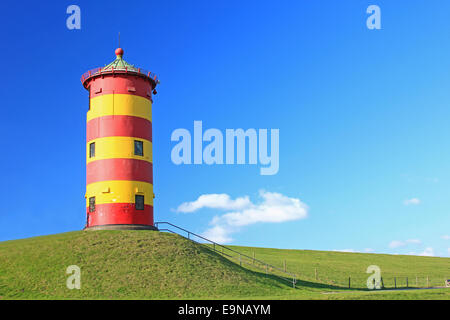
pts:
pixel 156 265
pixel 122 264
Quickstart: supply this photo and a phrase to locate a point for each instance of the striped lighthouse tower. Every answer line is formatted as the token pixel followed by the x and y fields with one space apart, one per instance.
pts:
pixel 119 166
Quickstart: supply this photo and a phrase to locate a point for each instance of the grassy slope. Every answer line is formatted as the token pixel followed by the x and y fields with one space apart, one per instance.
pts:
pixel 122 264
pixel 336 267
pixel 153 265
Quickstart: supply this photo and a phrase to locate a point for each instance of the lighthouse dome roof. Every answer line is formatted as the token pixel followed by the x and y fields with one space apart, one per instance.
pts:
pixel 119 63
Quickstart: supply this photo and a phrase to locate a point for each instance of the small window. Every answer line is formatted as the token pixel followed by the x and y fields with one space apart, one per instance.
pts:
pixel 91 204
pixel 139 200
pixel 138 148
pixel 92 150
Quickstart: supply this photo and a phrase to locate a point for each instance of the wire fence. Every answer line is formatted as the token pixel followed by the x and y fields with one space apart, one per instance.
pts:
pixel 334 278
pixel 387 281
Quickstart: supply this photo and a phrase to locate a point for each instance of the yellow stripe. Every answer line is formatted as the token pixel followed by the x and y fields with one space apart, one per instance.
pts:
pixel 120 104
pixel 119 191
pixel 118 147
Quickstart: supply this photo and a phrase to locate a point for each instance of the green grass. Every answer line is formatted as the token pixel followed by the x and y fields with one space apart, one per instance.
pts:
pixel 156 265
pixel 335 268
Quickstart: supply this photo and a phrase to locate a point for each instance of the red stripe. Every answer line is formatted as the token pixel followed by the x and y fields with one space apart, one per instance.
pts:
pixel 120 84
pixel 118 126
pixel 119 213
pixel 119 169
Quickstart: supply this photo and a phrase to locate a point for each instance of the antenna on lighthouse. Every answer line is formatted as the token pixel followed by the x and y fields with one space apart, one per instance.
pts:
pixel 119 39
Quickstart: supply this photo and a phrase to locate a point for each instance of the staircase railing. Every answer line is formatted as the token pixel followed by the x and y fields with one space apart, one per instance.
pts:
pixel 229 252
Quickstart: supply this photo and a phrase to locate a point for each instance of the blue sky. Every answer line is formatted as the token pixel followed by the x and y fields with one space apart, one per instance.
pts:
pixel 363 115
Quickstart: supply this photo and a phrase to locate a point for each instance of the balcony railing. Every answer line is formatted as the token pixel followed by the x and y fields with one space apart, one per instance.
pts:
pixel 100 71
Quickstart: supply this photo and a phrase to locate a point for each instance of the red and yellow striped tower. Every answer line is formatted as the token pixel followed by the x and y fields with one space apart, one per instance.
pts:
pixel 119 167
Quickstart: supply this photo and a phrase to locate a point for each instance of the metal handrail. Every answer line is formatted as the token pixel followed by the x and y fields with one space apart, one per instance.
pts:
pixel 100 71
pixel 267 266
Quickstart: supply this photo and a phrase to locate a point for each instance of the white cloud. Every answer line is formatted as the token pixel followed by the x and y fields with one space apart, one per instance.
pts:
pixel 217 234
pixel 428 252
pixel 397 244
pixel 446 237
pixel 366 250
pixel 215 201
pixel 273 208
pixel 413 201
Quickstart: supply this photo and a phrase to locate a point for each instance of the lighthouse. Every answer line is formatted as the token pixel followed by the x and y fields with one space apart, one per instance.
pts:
pixel 119 165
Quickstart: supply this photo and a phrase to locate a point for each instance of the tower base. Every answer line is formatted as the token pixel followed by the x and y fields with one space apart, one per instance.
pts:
pixel 121 227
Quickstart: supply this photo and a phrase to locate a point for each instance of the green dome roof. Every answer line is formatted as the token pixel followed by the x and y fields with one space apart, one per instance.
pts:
pixel 120 66
pixel 119 63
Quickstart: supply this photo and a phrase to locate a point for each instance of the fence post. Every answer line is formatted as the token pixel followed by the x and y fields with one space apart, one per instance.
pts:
pixel 417 282
pixel 427 282
pixel 284 265
pixel 395 282
pixel 407 282
pixel 349 283
pixel 382 283
pixel 253 257
pixel 240 261
pixel 315 273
